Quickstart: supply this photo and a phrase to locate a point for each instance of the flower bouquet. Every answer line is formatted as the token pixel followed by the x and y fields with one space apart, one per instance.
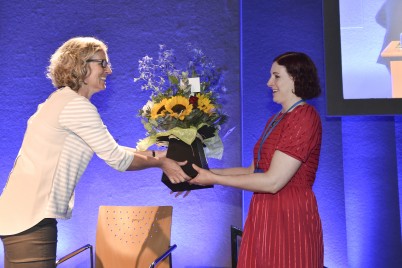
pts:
pixel 183 111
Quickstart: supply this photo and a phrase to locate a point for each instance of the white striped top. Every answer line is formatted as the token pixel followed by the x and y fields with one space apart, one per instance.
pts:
pixel 59 142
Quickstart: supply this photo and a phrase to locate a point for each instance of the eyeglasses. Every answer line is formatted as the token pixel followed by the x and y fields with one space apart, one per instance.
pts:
pixel 103 63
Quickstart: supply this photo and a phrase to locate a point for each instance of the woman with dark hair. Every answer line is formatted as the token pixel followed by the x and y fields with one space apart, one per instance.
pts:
pixel 283 227
pixel 60 140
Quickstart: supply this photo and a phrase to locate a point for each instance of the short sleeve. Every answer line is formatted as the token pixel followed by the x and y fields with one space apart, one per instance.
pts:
pixel 301 134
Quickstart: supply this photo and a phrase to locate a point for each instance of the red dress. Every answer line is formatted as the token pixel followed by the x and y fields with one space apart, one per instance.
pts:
pixel 283 230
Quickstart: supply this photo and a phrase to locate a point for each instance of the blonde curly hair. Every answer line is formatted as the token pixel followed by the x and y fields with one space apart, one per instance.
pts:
pixel 68 65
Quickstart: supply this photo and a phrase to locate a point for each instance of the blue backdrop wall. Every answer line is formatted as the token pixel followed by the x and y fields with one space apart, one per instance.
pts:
pixel 358 183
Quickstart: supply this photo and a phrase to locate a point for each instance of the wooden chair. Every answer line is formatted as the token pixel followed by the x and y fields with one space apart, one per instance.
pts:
pixel 129 236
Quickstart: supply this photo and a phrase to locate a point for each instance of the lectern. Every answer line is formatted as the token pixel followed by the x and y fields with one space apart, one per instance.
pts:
pixel 393 53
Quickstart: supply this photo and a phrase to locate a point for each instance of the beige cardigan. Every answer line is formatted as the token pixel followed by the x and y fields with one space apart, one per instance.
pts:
pixel 59 142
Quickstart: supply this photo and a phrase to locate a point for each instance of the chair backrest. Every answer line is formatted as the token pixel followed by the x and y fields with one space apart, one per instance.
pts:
pixel 128 236
pixel 235 240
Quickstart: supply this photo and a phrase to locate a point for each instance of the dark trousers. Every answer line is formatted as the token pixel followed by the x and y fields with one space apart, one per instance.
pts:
pixel 33 248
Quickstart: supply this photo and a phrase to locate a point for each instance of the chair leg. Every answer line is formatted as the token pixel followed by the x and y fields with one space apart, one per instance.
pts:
pixel 168 253
pixel 75 252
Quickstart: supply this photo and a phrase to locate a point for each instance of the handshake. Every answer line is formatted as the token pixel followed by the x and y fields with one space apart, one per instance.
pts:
pixel 194 154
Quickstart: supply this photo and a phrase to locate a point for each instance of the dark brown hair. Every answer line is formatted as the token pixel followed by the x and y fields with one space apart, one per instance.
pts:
pixel 303 72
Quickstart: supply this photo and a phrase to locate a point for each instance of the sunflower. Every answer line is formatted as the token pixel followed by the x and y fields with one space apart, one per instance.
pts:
pixel 204 104
pixel 179 107
pixel 159 109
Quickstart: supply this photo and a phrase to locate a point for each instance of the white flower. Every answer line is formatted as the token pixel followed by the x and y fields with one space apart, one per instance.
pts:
pixel 147 107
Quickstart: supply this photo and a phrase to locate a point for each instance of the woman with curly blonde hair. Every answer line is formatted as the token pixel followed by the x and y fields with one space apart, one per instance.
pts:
pixel 60 140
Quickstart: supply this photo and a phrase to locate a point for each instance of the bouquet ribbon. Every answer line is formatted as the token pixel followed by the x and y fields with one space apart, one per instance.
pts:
pixel 214 145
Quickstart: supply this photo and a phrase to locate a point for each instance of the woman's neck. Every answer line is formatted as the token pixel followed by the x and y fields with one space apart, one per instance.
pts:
pixel 83 91
pixel 288 105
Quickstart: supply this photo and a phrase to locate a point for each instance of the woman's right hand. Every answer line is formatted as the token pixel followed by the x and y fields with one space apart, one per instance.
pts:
pixel 173 170
pixel 160 153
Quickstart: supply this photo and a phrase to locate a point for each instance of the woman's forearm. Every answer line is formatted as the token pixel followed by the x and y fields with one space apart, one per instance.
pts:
pixel 232 171
pixel 144 160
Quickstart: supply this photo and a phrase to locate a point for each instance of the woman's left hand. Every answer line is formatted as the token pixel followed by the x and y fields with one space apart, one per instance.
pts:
pixel 204 177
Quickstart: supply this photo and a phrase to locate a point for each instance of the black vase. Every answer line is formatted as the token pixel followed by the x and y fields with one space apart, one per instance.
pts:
pixel 194 153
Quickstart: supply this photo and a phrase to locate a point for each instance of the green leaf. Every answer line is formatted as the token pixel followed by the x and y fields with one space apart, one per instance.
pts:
pixel 173 80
